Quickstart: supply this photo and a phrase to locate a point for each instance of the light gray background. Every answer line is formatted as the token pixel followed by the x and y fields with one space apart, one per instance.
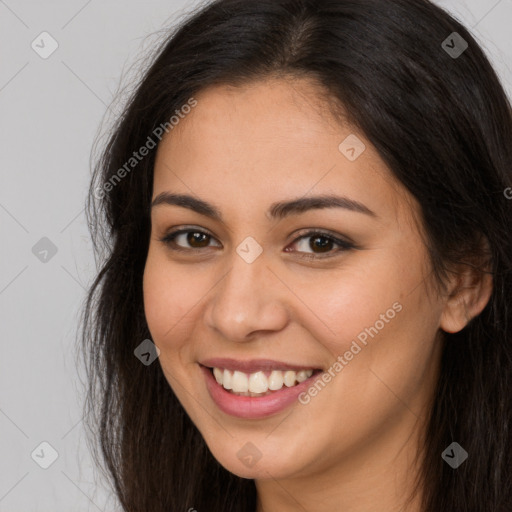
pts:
pixel 51 110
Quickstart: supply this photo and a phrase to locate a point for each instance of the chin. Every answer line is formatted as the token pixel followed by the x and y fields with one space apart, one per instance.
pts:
pixel 260 457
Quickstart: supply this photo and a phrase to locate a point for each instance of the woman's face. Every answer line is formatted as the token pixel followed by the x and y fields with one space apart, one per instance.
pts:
pixel 258 285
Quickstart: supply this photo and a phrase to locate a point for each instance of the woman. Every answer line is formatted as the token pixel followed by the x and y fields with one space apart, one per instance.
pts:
pixel 305 298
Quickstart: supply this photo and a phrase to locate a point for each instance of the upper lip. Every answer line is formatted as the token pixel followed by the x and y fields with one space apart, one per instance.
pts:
pixel 253 365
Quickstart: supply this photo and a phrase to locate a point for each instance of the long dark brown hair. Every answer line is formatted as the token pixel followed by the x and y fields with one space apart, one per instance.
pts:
pixel 441 122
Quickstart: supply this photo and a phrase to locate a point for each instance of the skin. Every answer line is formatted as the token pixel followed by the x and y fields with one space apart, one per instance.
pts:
pixel 354 446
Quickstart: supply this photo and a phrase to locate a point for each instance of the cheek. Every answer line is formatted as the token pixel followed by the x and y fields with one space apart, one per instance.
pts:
pixel 380 318
pixel 169 299
pixel 388 355
pixel 352 303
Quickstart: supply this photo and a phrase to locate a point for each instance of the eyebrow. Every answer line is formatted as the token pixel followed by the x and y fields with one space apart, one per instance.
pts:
pixel 278 210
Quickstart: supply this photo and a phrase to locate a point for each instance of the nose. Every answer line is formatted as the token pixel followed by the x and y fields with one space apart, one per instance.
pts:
pixel 248 300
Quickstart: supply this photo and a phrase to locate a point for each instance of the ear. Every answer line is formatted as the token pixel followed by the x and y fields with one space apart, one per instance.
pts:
pixel 469 291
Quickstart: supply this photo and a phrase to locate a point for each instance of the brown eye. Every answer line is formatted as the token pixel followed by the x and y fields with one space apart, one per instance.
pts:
pixel 322 243
pixel 187 239
pixel 196 237
pixel 313 244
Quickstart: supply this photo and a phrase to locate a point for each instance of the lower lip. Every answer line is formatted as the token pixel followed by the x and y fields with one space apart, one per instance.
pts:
pixel 248 407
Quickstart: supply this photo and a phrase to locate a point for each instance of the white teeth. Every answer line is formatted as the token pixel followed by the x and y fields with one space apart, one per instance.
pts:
pixel 303 375
pixel 258 383
pixel 218 375
pixel 227 380
pixel 289 378
pixel 275 381
pixel 240 382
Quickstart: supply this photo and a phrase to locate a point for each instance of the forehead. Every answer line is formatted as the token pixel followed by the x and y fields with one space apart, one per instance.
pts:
pixel 270 140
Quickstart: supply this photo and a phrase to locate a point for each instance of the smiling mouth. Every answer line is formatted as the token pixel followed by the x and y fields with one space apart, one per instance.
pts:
pixel 260 383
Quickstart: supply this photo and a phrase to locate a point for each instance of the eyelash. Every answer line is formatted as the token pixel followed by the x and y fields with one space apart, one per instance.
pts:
pixel 344 245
